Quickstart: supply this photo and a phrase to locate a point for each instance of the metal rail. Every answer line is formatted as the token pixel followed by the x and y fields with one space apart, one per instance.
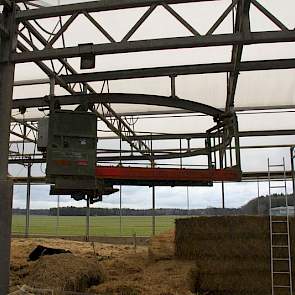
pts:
pixel 277 246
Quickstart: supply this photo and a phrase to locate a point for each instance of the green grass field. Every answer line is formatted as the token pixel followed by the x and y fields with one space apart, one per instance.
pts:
pixel 99 225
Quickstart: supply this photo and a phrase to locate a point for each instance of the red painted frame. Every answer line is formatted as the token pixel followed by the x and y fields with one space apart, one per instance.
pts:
pixel 167 174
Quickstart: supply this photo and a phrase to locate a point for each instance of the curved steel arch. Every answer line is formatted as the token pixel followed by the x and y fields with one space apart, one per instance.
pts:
pixel 121 98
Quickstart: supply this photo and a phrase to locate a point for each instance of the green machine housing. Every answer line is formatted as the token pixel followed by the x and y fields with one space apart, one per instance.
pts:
pixel 71 152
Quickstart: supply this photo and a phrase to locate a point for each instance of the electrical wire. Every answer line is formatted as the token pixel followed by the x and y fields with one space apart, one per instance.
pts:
pixel 41 169
pixel 168 116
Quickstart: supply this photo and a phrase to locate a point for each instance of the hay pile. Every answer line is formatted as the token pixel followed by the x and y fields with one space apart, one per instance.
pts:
pixel 161 247
pixel 127 272
pixel 232 253
pixel 65 272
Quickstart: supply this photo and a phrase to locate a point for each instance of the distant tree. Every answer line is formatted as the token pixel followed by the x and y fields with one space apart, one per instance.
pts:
pixel 261 204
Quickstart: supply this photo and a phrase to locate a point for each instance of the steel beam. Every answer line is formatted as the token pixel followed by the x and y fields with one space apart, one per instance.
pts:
pixel 279 64
pixel 93 6
pixel 246 66
pixel 156 44
pixel 242 26
pixel 31 82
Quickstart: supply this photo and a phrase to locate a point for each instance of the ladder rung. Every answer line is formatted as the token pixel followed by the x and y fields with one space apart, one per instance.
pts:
pixel 278 286
pixel 279 234
pixel 280 259
pixel 277 165
pixel 279 221
pixel 280 246
pixel 277 186
pixel 281 273
pixel 277 180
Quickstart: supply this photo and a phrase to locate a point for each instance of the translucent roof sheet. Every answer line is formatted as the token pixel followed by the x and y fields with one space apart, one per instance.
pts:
pixel 256 88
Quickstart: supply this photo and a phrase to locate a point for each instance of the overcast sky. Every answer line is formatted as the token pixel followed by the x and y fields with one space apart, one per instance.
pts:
pixel 254 89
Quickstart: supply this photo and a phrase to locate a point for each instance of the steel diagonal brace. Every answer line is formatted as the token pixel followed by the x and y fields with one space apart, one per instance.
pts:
pixel 269 15
pixel 33 128
pixel 25 128
pixel 6 3
pixel 22 136
pixel 242 26
pixel 127 133
pixel 45 68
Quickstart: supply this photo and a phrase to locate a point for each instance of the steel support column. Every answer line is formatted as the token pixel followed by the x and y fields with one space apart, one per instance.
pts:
pixel 187 200
pixel 292 155
pixel 7 45
pixel 28 201
pixel 154 211
pixel 258 195
pixel 57 216
pixel 5 230
pixel 120 210
pixel 87 233
pixel 223 195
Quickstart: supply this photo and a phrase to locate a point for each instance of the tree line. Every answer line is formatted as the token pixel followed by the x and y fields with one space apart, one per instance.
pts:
pixel 253 207
pixel 81 211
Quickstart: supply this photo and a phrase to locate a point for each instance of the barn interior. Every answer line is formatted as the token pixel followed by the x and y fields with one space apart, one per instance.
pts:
pixel 97 96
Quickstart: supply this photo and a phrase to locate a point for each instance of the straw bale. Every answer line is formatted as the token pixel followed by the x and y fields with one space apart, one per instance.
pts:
pixel 244 281
pixel 215 224
pixel 219 265
pixel 239 282
pixel 227 248
pixel 161 247
pixel 65 272
pixel 232 253
pixel 228 236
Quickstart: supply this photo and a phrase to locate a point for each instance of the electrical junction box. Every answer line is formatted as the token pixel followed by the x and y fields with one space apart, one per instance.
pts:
pixel 42 140
pixel 71 150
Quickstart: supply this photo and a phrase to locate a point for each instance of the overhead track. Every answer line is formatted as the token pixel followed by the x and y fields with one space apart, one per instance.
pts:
pixel 121 98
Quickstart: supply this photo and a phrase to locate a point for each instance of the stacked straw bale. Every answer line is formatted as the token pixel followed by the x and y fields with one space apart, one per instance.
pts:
pixel 232 253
